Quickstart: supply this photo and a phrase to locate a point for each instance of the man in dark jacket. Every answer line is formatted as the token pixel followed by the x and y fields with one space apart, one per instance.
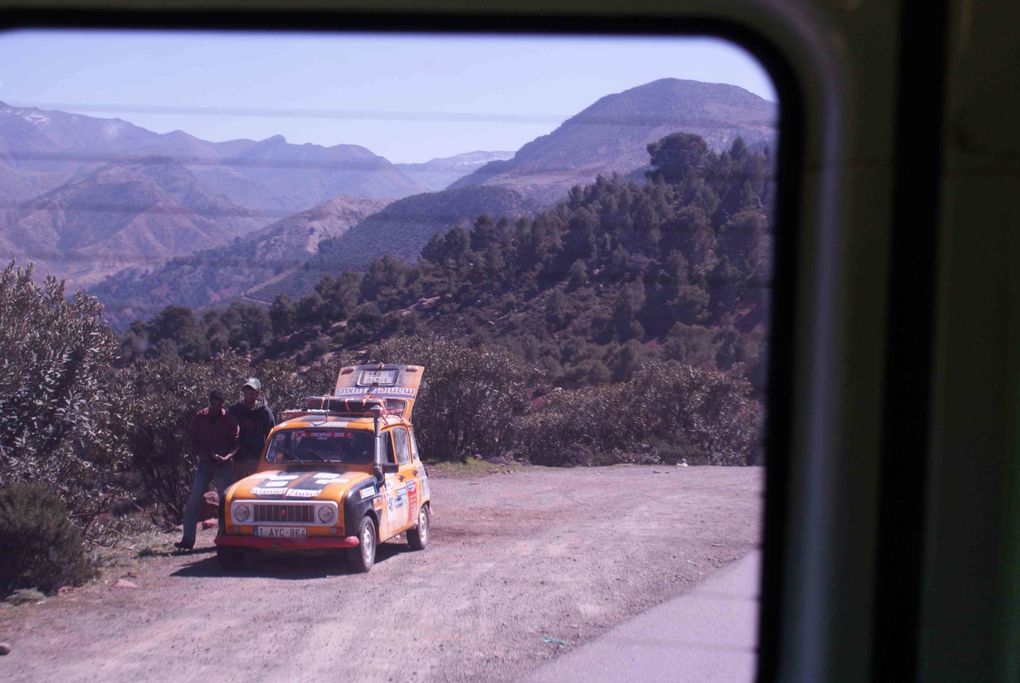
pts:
pixel 214 440
pixel 256 420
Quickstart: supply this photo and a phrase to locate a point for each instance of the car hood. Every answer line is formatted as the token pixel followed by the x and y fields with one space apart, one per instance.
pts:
pixel 296 485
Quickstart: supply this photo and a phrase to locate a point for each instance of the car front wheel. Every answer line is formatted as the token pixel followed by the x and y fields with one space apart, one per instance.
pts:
pixel 363 557
pixel 418 537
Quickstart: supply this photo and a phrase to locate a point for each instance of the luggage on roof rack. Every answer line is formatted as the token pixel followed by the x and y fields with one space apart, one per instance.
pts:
pixel 352 405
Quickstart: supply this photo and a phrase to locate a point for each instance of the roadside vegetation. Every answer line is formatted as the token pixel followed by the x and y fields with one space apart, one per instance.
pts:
pixel 625 324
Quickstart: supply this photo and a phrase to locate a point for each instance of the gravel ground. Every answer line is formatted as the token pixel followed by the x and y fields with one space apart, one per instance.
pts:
pixel 521 566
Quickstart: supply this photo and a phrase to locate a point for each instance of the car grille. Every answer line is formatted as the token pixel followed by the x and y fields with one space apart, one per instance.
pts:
pixel 295 514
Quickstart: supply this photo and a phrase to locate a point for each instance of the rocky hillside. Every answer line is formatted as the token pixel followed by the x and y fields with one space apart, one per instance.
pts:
pixel 215 275
pixel 400 230
pixel 123 214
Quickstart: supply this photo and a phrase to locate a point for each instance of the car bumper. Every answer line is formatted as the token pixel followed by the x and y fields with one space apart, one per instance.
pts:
pixel 310 543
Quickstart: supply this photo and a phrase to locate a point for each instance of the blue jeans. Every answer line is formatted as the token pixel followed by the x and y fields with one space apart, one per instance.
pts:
pixel 204 474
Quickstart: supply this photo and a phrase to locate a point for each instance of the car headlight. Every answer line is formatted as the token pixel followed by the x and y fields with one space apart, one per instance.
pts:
pixel 326 514
pixel 242 512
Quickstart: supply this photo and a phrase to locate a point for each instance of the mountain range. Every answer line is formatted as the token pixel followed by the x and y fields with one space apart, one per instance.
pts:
pixel 121 215
pixel 610 136
pixel 44 148
pixel 86 197
pixel 613 133
pixel 176 219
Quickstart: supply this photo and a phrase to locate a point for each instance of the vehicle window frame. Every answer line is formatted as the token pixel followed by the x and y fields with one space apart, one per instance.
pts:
pixel 760 37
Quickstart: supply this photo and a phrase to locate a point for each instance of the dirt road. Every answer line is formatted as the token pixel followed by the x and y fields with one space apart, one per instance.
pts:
pixel 521 566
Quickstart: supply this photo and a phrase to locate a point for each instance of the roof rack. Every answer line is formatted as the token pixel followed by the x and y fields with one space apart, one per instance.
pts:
pixel 354 406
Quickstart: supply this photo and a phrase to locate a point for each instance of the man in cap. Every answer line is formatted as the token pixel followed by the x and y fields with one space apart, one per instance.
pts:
pixel 256 420
pixel 214 439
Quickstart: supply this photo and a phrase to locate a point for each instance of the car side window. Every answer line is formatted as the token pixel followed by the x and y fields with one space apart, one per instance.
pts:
pixel 388 445
pixel 414 447
pixel 403 449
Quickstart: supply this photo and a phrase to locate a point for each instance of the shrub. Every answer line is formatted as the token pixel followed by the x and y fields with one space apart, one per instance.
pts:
pixel 666 412
pixel 39 546
pixel 468 399
pixel 708 417
pixel 591 426
pixel 62 410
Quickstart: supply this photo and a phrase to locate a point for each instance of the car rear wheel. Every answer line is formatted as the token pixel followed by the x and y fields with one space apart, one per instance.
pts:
pixel 229 558
pixel 418 537
pixel 363 557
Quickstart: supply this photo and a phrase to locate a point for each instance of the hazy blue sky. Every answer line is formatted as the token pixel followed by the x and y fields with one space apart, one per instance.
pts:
pixel 407 98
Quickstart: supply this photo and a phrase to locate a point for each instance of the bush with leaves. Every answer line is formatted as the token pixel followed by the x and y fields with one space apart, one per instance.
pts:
pixel 39 546
pixel 60 404
pixel 166 394
pixel 581 427
pixel 666 412
pixel 709 417
pixel 468 399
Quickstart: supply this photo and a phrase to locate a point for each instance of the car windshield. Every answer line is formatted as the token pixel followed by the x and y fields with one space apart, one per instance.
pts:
pixel 350 446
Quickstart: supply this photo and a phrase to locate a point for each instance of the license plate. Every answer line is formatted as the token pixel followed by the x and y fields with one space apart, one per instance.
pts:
pixel 281 531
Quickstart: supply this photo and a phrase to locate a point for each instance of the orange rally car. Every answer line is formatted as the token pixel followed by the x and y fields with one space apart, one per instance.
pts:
pixel 343 472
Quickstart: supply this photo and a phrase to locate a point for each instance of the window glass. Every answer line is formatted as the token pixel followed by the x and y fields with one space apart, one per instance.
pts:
pixel 414 447
pixel 388 455
pixel 401 442
pixel 321 445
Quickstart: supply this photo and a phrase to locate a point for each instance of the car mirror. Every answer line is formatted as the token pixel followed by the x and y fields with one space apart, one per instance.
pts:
pixel 380 471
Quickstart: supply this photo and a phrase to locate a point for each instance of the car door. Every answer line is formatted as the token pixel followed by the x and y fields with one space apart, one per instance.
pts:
pixel 407 479
pixel 400 494
pixel 421 474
